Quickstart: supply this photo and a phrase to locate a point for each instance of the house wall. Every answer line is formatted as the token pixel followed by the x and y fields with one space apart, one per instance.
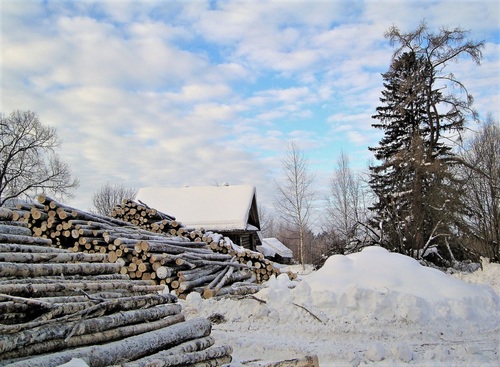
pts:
pixel 246 239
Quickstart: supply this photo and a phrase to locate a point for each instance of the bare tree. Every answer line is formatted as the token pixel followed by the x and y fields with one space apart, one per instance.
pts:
pixel 345 213
pixel 108 196
pixel 295 195
pixel 481 174
pixel 29 164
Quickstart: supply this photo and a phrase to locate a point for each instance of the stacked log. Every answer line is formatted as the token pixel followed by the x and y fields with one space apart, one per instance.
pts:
pixel 56 304
pixel 185 261
pixel 140 214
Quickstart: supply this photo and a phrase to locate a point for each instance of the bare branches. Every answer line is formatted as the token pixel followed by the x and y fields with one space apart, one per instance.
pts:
pixel 295 195
pixel 109 196
pixel 29 164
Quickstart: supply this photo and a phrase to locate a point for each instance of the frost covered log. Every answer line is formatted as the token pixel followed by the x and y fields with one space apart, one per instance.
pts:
pixel 130 348
pixel 79 304
pixel 38 270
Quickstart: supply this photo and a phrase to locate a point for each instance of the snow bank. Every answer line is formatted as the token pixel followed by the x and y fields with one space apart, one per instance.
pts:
pixel 378 283
pixel 372 307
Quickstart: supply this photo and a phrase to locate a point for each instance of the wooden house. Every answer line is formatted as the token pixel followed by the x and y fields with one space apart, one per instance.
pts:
pixel 230 210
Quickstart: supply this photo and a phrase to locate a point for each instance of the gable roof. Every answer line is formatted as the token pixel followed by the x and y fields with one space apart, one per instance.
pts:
pixel 223 208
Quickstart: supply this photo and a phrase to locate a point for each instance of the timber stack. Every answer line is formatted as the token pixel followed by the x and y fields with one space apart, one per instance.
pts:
pixel 57 304
pixel 155 248
pixel 138 213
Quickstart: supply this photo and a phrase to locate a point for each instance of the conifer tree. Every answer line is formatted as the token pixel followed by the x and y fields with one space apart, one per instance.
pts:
pixel 417 201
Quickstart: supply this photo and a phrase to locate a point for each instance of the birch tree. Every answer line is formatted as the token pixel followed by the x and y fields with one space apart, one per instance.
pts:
pixel 345 211
pixel 295 195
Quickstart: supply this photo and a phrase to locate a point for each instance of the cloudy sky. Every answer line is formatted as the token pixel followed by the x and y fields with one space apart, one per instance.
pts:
pixel 174 93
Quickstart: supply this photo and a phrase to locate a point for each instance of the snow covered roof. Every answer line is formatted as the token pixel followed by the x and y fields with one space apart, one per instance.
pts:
pixel 272 246
pixel 223 208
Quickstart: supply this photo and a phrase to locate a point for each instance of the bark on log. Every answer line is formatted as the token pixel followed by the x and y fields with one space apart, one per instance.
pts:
pixel 198 272
pixel 72 287
pixel 114 305
pixel 309 361
pixel 14 230
pixel 38 270
pixel 162 359
pixel 94 338
pixel 12 247
pixel 65 330
pixel 191 346
pixel 234 289
pixel 6 238
pixel 5 214
pixel 130 348
pixel 51 257
pixel 221 361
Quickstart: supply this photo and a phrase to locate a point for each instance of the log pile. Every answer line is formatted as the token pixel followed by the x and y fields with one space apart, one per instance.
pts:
pixel 57 304
pixel 151 246
pixel 140 214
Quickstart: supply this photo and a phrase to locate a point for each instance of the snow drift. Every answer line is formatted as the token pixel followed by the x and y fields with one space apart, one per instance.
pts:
pixel 371 307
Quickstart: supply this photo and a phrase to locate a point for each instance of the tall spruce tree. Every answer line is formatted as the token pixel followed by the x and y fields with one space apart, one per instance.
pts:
pixel 417 198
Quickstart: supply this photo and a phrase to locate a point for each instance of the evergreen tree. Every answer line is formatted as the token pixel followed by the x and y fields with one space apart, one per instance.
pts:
pixel 417 196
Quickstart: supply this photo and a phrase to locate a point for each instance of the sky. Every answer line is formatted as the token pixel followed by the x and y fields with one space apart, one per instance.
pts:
pixel 176 93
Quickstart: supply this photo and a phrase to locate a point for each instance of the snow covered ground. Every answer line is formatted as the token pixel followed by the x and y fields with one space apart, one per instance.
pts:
pixel 371 308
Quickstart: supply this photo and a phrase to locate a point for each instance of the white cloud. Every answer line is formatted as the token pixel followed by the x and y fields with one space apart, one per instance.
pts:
pixel 199 92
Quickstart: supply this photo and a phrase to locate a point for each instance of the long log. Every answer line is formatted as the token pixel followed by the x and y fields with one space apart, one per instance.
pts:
pixel 24 248
pixel 191 346
pixel 162 359
pixel 70 288
pixel 234 289
pixel 37 270
pixel 74 279
pixel 51 257
pixel 198 272
pixel 14 230
pixel 308 361
pixel 115 305
pixel 7 238
pixel 6 214
pixel 62 330
pixel 221 361
pixel 130 348
pixel 94 338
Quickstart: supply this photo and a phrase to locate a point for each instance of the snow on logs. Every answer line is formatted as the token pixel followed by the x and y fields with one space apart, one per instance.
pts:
pixel 153 220
pixel 150 246
pixel 56 305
